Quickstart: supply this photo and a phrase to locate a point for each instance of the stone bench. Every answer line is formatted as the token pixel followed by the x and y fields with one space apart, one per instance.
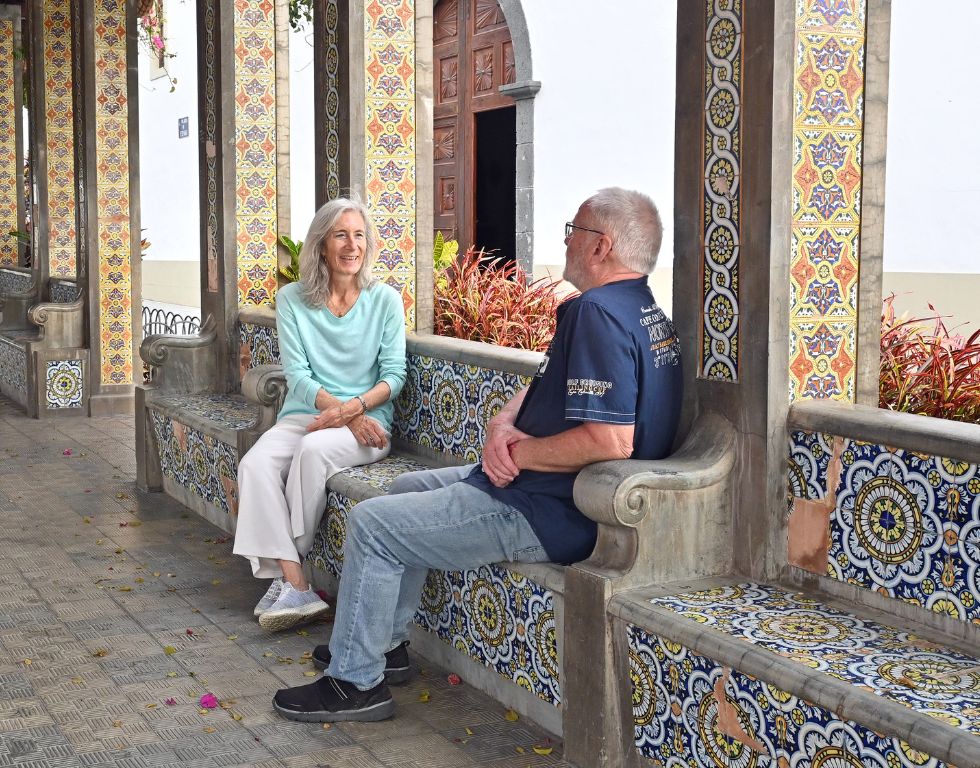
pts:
pixel 505 628
pixel 864 651
pixel 43 359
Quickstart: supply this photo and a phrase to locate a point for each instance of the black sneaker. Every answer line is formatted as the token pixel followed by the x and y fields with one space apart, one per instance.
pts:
pixel 397 668
pixel 329 701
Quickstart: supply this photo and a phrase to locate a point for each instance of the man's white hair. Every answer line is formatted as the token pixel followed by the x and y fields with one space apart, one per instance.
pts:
pixel 632 222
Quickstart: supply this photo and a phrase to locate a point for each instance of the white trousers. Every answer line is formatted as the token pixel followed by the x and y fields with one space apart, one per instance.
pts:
pixel 282 489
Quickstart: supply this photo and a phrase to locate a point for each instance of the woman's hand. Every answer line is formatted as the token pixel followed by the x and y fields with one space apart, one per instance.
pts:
pixel 338 415
pixel 368 432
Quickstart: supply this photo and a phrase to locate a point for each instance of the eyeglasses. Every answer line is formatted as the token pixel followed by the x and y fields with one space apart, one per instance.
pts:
pixel 569 228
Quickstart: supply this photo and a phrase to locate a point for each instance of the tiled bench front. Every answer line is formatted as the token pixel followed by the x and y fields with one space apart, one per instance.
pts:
pixel 43 363
pixel 868 652
pixel 734 673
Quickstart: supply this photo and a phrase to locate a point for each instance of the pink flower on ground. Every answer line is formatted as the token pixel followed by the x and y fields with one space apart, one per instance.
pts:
pixel 66 452
pixel 171 702
pixel 455 679
pixel 209 701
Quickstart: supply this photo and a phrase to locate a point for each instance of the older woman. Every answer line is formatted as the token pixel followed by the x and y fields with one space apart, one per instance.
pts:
pixel 342 337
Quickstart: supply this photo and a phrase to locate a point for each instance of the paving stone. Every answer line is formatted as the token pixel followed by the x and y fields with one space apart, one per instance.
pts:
pixel 80 602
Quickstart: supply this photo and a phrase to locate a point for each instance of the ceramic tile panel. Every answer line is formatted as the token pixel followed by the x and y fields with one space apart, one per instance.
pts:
pixel 256 211
pixel 64 384
pixel 497 617
pixel 676 694
pixel 198 462
pixel 389 105
pixel 261 343
pixel 112 197
pixel 208 74
pixel 331 104
pixel 60 137
pixel 721 198
pixel 826 208
pixel 906 525
pixel 62 292
pixel 9 171
pixel 13 281
pixel 228 411
pixel 13 372
pixel 809 457
pixel 446 405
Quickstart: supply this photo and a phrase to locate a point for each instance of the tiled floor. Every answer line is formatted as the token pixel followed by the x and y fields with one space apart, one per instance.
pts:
pixel 118 610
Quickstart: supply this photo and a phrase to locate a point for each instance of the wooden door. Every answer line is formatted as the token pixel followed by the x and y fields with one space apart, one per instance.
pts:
pixel 473 57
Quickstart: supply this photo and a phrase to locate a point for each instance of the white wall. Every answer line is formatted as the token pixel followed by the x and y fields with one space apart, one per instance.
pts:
pixel 605 113
pixel 169 194
pixel 932 192
pixel 301 132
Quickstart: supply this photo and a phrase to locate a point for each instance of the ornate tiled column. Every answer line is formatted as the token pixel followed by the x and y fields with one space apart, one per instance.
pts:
pixel 332 86
pixel 390 87
pixel 239 177
pixel 776 286
pixel 828 132
pixel 52 79
pixel 11 135
pixel 111 219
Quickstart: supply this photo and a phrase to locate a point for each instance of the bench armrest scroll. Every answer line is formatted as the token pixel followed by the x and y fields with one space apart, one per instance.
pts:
pixel 183 364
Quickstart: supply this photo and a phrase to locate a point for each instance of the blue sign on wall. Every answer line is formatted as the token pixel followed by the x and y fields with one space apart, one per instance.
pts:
pixel 183 127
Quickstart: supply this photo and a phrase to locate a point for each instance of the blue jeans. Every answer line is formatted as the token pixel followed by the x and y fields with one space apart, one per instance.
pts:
pixel 392 542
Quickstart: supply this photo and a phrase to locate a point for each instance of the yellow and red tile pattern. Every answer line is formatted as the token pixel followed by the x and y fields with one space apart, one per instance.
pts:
pixel 827 141
pixel 58 120
pixel 112 199
pixel 9 176
pixel 256 212
pixel 390 141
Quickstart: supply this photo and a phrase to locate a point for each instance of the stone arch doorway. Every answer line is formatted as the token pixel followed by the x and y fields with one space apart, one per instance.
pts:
pixel 482 170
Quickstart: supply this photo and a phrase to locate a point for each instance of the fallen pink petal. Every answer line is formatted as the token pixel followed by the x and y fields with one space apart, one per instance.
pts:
pixel 454 679
pixel 171 702
pixel 66 452
pixel 209 701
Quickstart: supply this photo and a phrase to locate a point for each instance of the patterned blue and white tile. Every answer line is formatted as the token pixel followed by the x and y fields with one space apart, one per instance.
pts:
pixel 64 384
pixel 809 457
pixel 675 695
pixel 864 653
pixel 886 532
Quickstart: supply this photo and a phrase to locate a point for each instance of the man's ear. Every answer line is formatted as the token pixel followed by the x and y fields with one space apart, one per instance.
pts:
pixel 601 250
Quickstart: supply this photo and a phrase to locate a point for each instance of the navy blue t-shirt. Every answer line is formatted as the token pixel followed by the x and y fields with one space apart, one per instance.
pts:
pixel 614 359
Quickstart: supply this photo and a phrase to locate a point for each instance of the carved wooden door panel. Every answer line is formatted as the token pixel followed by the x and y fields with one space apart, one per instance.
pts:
pixel 473 56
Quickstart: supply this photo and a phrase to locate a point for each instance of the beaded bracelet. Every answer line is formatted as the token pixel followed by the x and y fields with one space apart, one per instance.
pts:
pixel 362 401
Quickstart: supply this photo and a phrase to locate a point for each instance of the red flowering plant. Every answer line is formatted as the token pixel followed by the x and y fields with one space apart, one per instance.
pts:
pixel 927 369
pixel 492 299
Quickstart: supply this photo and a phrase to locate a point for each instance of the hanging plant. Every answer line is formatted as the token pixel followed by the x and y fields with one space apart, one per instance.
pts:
pixel 300 11
pixel 150 30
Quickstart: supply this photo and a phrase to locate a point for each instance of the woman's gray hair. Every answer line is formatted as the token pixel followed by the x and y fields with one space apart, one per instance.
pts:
pixel 632 222
pixel 313 268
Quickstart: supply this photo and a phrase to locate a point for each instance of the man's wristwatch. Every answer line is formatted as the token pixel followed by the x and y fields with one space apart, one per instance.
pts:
pixel 363 403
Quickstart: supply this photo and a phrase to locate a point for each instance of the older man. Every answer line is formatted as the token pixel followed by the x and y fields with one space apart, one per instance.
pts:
pixel 608 388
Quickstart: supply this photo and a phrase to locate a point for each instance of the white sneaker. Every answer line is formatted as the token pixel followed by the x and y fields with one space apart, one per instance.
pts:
pixel 292 607
pixel 270 597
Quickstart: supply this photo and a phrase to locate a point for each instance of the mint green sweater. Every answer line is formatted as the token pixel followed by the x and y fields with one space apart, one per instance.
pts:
pixel 346 355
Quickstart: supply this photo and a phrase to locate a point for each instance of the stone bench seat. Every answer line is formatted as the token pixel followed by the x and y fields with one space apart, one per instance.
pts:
pixel 800 673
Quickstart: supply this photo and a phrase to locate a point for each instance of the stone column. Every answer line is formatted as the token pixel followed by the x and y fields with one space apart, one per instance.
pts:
pixel 111 220
pixel 11 135
pixel 239 171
